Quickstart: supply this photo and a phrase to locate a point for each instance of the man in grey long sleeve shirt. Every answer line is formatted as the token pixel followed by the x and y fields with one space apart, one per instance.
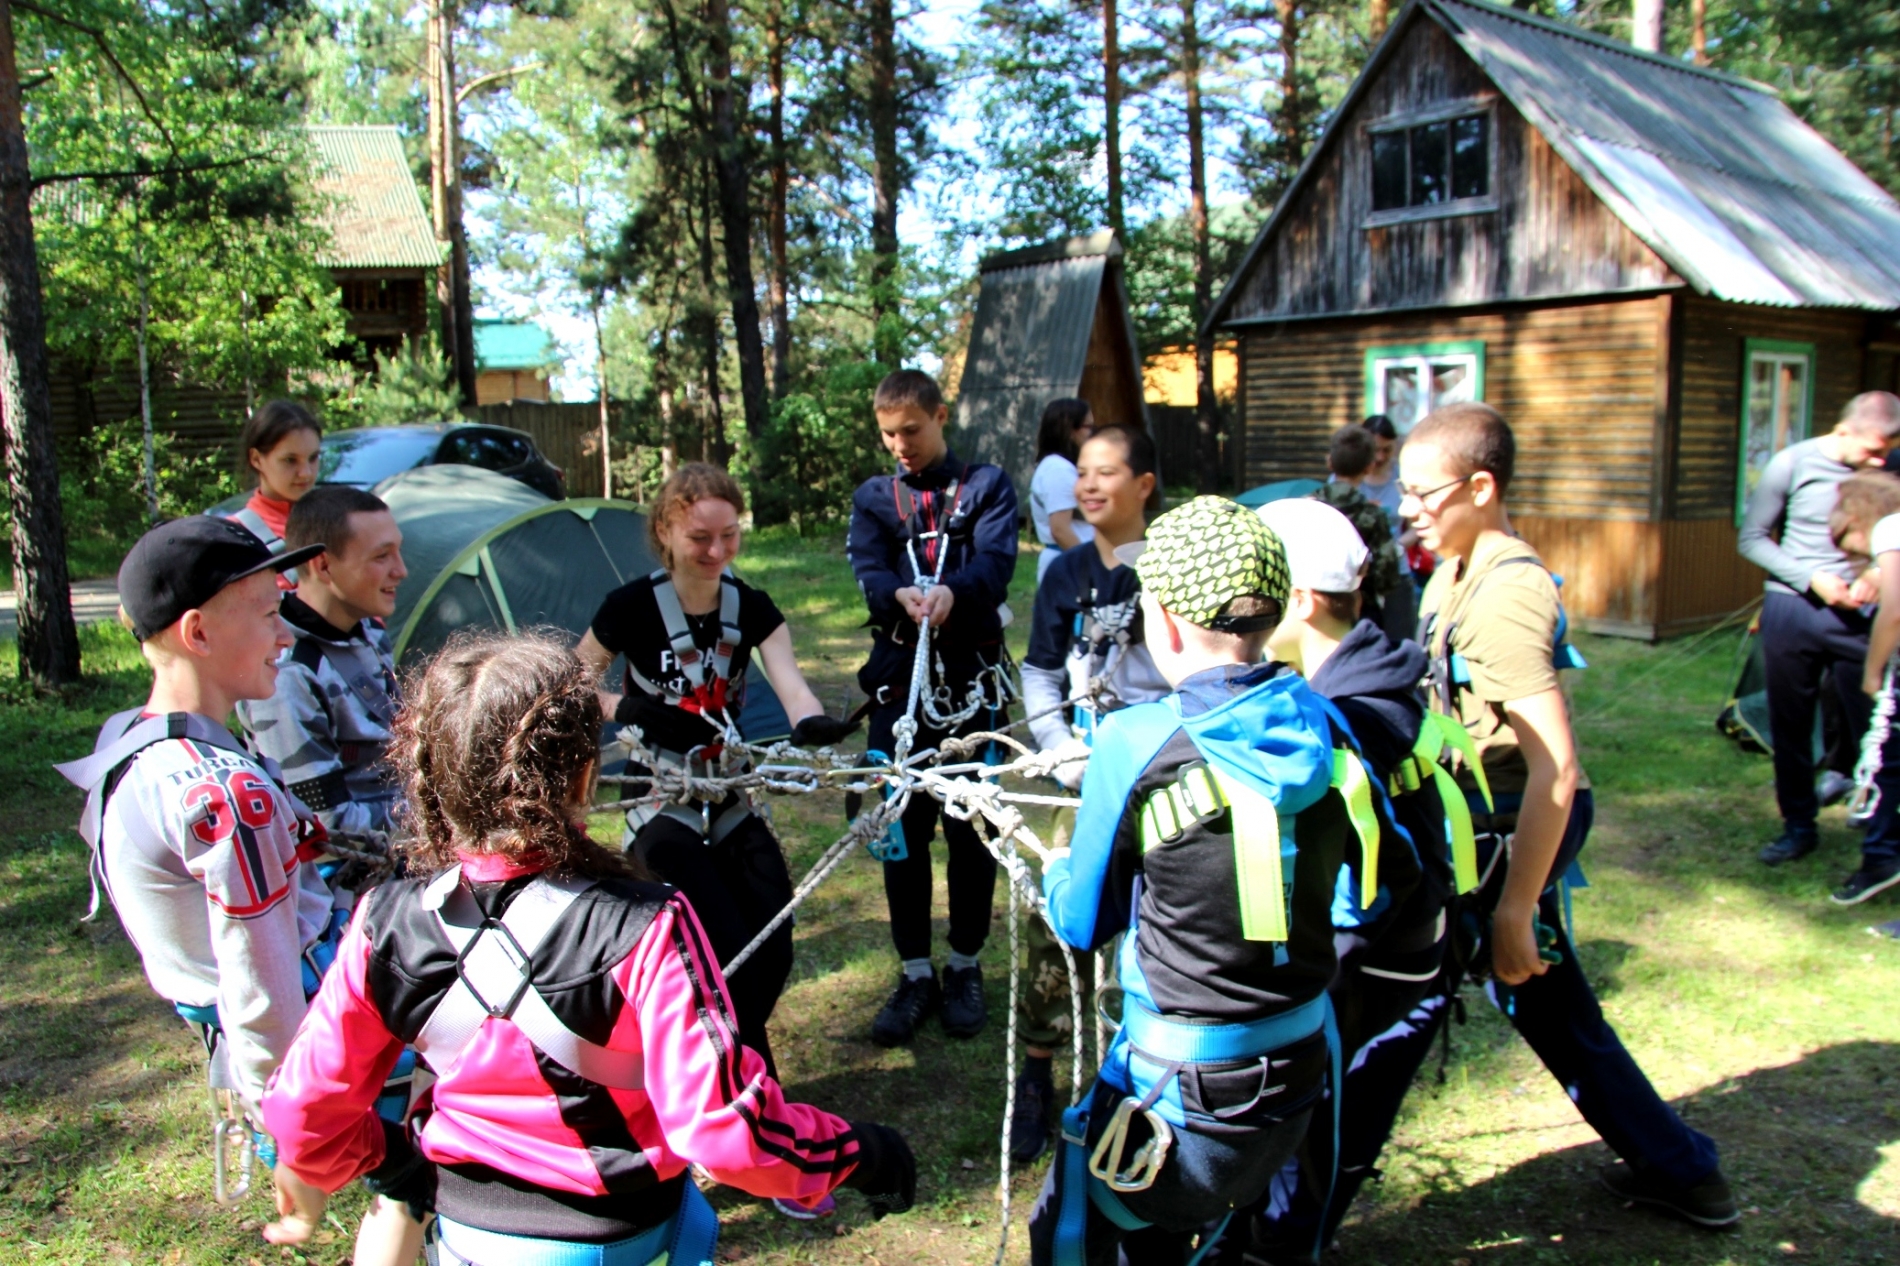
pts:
pixel 1814 635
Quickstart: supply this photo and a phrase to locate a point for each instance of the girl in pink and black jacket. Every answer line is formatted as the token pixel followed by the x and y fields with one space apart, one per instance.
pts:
pixel 579 1029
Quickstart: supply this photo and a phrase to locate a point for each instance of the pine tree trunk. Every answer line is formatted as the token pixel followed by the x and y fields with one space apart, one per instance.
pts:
pixel 440 103
pixel 1206 421
pixel 49 642
pixel 1112 113
pixel 606 431
pixel 1646 25
pixel 778 285
pixel 1378 17
pixel 1291 123
pixel 735 221
pixel 887 183
pixel 1699 31
pixel 462 354
pixel 148 439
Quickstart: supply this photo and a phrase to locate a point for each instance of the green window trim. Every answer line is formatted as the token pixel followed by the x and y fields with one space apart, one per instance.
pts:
pixel 1419 351
pixel 1773 347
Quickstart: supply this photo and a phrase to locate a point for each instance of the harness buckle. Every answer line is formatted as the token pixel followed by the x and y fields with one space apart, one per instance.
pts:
pixel 232 1151
pixel 1105 1163
pixel 514 958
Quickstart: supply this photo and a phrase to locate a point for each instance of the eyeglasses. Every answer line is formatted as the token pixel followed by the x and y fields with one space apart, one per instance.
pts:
pixel 1405 490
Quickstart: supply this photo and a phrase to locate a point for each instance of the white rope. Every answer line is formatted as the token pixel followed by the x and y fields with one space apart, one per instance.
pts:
pixel 1866 797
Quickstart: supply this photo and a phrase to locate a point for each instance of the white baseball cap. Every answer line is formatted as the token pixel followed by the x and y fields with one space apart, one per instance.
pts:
pixel 1323 549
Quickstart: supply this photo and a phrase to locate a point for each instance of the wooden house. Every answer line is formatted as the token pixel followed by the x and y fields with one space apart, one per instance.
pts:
pixel 383 250
pixel 1051 321
pixel 513 361
pixel 1656 272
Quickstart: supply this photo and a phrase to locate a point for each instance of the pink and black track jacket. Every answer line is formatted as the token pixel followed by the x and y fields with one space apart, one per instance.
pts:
pixel 521 1144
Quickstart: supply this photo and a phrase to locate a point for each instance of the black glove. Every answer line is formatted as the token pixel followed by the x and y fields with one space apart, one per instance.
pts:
pixel 821 731
pixel 674 729
pixel 886 1171
pixel 405 1175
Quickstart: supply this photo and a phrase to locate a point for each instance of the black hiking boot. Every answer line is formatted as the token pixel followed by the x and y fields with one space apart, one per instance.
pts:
pixel 905 1009
pixel 1033 1121
pixel 964 1011
pixel 1792 846
pixel 1707 1204
pixel 1865 883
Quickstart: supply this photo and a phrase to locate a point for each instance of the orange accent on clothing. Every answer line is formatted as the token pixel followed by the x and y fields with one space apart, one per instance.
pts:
pixel 275 513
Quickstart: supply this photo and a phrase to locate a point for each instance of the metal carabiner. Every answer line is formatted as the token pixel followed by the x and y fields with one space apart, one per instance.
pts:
pixel 1105 1163
pixel 232 1150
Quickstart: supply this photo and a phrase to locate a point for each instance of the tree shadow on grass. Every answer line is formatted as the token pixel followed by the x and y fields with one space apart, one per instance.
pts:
pixel 1799 1143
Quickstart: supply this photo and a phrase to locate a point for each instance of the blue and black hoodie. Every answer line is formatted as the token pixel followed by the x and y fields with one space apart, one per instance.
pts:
pixel 1266 727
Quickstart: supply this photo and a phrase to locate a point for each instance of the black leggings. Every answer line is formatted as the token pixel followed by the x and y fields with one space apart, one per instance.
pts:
pixel 735 887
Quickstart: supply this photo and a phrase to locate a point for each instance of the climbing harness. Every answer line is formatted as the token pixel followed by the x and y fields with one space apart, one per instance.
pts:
pixel 708 673
pixel 689 1238
pixel 1862 805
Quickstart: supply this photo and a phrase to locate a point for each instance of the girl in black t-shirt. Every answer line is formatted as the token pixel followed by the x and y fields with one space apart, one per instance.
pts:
pixel 688 632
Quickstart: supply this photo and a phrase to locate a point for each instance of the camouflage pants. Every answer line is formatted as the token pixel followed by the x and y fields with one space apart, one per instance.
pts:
pixel 1043 1014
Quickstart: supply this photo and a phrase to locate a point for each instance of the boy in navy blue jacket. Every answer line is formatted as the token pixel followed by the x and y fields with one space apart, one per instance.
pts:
pixel 1212 833
pixel 936 516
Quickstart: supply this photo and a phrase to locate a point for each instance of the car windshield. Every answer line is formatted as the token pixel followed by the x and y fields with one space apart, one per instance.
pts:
pixel 369 456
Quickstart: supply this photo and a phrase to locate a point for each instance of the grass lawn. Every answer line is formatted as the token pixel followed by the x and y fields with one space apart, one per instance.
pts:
pixel 1765 1014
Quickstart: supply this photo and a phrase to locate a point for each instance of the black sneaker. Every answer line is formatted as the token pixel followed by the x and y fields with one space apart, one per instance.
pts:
pixel 1792 846
pixel 1709 1203
pixel 1031 1125
pixel 964 1011
pixel 905 1009
pixel 1833 788
pixel 1865 883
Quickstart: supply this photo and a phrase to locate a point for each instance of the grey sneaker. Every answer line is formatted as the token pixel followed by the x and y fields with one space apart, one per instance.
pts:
pixel 1834 787
pixel 1708 1204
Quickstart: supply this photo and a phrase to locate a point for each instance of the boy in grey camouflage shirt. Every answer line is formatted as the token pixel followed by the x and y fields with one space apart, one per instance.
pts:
pixel 329 720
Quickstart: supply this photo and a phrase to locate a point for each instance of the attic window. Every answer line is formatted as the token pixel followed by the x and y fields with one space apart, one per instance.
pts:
pixel 1431 165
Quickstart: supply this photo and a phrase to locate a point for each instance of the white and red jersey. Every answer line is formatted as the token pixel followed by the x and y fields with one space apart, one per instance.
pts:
pixel 202 856
pixel 628 969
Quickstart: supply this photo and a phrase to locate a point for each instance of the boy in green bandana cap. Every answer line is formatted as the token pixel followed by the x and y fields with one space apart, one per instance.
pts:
pixel 1211 832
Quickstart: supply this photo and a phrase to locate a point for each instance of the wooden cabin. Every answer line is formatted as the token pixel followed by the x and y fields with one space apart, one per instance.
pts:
pixel 383 251
pixel 1051 321
pixel 513 361
pixel 1655 271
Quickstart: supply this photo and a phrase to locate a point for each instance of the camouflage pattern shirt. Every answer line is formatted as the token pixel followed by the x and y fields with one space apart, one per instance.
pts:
pixel 1374 528
pixel 329 721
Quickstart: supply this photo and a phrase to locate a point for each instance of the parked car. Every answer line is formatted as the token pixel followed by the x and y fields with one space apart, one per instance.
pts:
pixel 365 456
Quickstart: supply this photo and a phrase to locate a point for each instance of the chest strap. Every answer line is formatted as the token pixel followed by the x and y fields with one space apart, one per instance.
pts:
pixel 1200 793
pixel 707 671
pixel 494 971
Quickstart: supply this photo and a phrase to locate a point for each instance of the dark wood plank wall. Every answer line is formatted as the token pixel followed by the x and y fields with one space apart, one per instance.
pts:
pixel 199 419
pixel 1577 382
pixel 567 435
pixel 1610 568
pixel 1111 382
pixel 1550 236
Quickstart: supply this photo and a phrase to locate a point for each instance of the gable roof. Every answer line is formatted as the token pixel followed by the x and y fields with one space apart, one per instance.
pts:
pixel 507 345
pixel 1713 172
pixel 1029 342
pixel 374 214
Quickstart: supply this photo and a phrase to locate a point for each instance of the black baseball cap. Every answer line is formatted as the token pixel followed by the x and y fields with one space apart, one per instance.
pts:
pixel 181 565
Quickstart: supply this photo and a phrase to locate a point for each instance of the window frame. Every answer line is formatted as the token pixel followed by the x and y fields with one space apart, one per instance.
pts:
pixel 1779 351
pixel 1374 399
pixel 1445 112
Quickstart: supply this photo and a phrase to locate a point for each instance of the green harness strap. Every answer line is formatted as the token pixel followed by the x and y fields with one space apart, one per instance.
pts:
pixel 1200 793
pixel 1355 788
pixel 1438 733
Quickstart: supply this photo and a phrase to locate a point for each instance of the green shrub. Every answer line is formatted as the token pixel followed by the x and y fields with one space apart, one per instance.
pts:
pixel 821 445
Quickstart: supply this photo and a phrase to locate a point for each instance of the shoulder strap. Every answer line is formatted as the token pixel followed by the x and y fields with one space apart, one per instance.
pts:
pixel 253 522
pixel 728 629
pixel 1200 793
pixel 120 741
pixel 495 980
pixel 679 634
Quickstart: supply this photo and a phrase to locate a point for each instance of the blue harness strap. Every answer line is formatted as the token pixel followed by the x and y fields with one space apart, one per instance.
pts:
pixel 688 1238
pixel 1072 1215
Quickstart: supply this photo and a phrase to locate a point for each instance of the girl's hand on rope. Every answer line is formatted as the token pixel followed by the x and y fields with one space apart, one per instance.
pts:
pixel 1071 758
pixel 300 1207
pixel 822 731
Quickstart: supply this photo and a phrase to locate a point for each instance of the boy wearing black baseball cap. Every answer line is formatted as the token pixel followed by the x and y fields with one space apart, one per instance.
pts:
pixel 207 860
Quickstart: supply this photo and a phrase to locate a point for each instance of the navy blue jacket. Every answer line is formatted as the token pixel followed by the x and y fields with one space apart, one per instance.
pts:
pixel 981 561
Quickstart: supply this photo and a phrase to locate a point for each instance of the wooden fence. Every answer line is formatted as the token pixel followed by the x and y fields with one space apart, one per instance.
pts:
pixel 567 434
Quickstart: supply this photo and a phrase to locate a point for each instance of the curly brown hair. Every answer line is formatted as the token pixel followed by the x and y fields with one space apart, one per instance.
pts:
pixel 495 749
pixel 1864 499
pixel 695 481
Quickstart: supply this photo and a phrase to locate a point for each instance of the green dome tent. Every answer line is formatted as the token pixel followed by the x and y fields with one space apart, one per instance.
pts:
pixel 485 551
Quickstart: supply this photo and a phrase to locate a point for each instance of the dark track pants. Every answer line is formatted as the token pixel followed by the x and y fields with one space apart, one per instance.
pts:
pixel 1880 847
pixel 1809 648
pixel 1206 1174
pixel 971 871
pixel 735 887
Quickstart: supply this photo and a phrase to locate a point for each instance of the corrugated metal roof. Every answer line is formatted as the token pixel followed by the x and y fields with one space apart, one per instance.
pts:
pixel 513 345
pixel 1714 173
pixel 1028 345
pixel 376 218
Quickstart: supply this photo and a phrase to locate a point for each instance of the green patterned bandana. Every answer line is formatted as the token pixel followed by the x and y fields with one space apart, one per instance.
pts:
pixel 1201 556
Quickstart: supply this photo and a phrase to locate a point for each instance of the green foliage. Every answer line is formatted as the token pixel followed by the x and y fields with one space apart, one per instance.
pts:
pixel 416 384
pixel 822 444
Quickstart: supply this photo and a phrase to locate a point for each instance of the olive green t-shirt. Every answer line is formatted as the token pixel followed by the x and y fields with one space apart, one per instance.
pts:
pixel 1502 619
